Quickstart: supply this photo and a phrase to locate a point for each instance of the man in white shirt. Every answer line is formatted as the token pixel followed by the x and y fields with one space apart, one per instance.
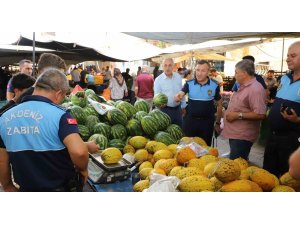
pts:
pixel 217 77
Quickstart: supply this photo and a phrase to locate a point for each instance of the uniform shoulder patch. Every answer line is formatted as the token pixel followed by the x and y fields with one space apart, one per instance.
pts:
pixel 72 121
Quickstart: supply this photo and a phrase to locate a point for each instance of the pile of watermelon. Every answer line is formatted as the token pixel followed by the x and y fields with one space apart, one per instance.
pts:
pixel 119 124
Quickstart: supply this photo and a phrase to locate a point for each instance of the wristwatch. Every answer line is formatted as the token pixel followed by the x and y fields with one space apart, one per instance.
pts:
pixel 240 115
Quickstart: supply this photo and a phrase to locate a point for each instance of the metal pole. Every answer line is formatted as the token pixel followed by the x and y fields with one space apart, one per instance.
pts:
pixel 33 54
pixel 282 55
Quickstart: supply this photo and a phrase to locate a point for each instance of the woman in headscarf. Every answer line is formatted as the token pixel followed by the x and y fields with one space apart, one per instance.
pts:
pixel 118 86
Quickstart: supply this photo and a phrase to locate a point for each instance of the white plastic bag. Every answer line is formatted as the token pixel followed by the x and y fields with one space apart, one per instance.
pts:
pixel 100 107
pixel 161 183
pixel 198 149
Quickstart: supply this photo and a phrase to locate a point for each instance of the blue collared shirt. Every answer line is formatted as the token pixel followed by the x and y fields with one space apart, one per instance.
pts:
pixel 170 87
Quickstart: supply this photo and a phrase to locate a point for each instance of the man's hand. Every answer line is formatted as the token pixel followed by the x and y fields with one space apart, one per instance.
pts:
pixel 126 94
pixel 292 118
pixel 92 146
pixel 177 98
pixel 232 116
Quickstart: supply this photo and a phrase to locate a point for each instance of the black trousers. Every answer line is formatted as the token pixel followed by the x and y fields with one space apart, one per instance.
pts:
pixel 200 127
pixel 278 149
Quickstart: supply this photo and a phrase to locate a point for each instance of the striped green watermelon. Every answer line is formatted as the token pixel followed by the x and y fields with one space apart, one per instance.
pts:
pixel 162 119
pixel 149 125
pixel 84 132
pixel 175 131
pixel 160 100
pixel 118 131
pixel 66 99
pixel 100 139
pixel 141 105
pixel 116 116
pixel 89 92
pixel 79 99
pixel 134 128
pixel 139 115
pixel 102 128
pixel 67 105
pixel 91 121
pixel 165 138
pixel 126 108
pixel 89 110
pixel 79 114
pixel 111 102
pixel 117 143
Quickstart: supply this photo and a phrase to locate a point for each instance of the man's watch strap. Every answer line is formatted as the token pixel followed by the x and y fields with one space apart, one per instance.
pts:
pixel 241 116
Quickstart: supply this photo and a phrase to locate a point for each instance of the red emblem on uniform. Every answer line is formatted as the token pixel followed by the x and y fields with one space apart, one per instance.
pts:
pixel 72 121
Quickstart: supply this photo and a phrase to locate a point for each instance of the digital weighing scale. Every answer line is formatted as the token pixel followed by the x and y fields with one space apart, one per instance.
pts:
pixel 101 173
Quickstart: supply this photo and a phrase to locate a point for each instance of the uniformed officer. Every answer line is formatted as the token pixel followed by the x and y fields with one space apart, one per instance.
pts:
pixel 203 92
pixel 41 141
pixel 284 117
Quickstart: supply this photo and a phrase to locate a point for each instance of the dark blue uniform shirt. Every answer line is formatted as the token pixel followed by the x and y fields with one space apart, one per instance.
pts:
pixel 201 98
pixel 33 133
pixel 288 93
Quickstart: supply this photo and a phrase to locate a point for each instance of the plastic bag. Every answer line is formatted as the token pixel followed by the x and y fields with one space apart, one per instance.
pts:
pixel 161 183
pixel 198 149
pixel 100 107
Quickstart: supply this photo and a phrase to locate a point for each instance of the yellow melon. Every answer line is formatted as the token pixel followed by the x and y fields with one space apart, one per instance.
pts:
pixel 242 163
pixel 283 188
pixel 157 164
pixel 217 183
pixel 244 175
pixel 173 148
pixel 188 171
pixel 159 171
pixel 184 155
pixel 176 170
pixel 202 161
pixel 168 164
pixel 227 170
pixel 138 142
pixel 141 155
pixel 199 141
pixel 111 155
pixel 162 154
pixel 288 180
pixel 145 172
pixel 154 146
pixel 195 184
pixel 141 185
pixel 128 149
pixel 213 151
pixel 209 169
pixel 264 179
pixel 240 186
pixel 145 164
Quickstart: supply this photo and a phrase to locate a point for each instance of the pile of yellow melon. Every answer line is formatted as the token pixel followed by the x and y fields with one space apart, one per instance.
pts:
pixel 207 173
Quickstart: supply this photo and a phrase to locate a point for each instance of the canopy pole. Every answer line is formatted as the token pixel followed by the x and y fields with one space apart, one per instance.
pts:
pixel 282 55
pixel 33 54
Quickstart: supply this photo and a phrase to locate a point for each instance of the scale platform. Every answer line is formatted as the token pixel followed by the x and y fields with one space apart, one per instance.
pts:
pixel 101 173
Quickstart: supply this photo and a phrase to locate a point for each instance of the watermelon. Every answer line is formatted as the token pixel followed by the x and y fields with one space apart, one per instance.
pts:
pixel 79 99
pixel 67 105
pixel 79 114
pixel 102 128
pixel 89 110
pixel 66 99
pixel 162 119
pixel 116 116
pixel 88 92
pixel 134 128
pixel 149 125
pixel 142 105
pixel 117 143
pixel 91 121
pixel 84 132
pixel 111 103
pixel 175 131
pixel 126 108
pixel 160 100
pixel 100 139
pixel 139 115
pixel 118 131
pixel 165 138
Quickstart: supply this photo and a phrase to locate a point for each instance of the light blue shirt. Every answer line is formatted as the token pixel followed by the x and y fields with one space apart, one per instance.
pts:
pixel 170 87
